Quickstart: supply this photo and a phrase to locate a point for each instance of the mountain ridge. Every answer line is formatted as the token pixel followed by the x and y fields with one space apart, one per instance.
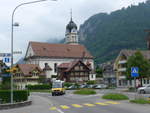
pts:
pixel 105 35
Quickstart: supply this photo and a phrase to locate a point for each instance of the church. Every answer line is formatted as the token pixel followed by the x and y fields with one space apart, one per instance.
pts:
pixel 50 57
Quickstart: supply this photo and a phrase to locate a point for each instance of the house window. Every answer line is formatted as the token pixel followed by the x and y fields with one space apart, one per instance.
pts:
pixel 147 81
pixel 55 67
pixel 92 76
pixel 144 81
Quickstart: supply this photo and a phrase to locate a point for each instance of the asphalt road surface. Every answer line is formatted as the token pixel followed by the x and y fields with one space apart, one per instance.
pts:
pixel 70 103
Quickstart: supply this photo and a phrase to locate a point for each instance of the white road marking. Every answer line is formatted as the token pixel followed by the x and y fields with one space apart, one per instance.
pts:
pixel 60 111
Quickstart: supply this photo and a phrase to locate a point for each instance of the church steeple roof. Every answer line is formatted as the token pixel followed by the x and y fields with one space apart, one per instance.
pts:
pixel 71 24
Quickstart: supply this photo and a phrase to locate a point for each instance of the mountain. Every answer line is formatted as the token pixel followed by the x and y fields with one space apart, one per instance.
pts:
pixel 105 35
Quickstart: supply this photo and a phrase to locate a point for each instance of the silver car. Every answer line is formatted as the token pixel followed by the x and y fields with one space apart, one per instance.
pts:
pixel 145 89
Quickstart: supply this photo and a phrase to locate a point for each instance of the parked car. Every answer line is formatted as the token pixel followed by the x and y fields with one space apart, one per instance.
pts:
pixel 84 86
pixel 73 87
pixel 91 86
pixel 144 89
pixel 100 86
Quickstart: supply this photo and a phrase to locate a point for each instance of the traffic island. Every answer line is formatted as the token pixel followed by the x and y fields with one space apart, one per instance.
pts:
pixel 115 96
pixel 85 92
pixel 15 105
pixel 140 101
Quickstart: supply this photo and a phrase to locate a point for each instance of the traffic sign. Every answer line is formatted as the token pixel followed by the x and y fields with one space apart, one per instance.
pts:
pixel 134 71
pixel 6 60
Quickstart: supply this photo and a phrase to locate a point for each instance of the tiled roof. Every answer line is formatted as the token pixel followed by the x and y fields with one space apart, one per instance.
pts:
pixel 69 66
pixel 27 68
pixel 128 53
pixel 60 50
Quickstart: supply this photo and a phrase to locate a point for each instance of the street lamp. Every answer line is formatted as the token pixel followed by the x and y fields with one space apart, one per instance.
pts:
pixel 12 29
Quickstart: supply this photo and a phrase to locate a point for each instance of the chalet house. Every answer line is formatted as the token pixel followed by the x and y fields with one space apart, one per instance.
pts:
pixel 27 74
pixel 109 77
pixel 53 55
pixel 75 71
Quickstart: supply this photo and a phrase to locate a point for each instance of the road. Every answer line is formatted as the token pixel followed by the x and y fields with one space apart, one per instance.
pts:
pixel 70 103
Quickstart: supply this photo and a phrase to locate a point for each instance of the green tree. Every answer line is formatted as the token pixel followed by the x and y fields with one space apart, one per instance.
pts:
pixel 5 83
pixel 99 72
pixel 138 60
pixel 42 79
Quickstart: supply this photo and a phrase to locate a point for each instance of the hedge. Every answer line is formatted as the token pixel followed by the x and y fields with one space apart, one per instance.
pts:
pixel 18 95
pixel 91 82
pixel 115 96
pixel 68 84
pixel 85 92
pixel 39 87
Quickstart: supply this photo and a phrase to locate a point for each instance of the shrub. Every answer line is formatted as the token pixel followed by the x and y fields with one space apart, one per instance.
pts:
pixel 140 101
pixel 39 87
pixel 67 84
pixel 131 89
pixel 91 82
pixel 115 96
pixel 76 84
pixel 85 92
pixel 18 95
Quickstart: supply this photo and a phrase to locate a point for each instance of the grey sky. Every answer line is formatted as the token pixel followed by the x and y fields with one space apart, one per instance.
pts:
pixel 46 20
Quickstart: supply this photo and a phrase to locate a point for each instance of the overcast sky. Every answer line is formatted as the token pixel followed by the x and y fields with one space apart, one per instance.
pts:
pixel 47 20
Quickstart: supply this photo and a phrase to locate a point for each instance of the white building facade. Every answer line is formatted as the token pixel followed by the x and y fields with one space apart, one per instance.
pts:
pixel 56 54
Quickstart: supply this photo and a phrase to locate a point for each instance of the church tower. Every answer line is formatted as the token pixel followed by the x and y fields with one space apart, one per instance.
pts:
pixel 71 35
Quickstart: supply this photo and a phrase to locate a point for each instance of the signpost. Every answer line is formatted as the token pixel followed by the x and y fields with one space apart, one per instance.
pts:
pixel 6 57
pixel 134 73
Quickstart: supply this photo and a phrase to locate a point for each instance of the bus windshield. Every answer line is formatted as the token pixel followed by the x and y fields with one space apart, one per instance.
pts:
pixel 57 85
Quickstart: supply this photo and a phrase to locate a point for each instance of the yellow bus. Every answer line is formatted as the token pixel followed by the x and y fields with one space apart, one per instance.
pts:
pixel 58 88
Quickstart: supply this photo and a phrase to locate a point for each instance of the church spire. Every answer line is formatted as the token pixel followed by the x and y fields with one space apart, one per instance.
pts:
pixel 71 32
pixel 71 14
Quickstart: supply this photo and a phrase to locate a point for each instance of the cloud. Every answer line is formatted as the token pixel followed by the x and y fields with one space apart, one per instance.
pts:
pixel 47 20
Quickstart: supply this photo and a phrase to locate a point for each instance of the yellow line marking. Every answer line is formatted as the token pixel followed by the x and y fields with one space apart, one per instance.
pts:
pixel 103 104
pixel 53 108
pixel 90 105
pixel 111 102
pixel 64 107
pixel 77 105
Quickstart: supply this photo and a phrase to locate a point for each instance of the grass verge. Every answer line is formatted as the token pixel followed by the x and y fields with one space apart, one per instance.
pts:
pixel 140 101
pixel 42 91
pixel 85 92
pixel 115 96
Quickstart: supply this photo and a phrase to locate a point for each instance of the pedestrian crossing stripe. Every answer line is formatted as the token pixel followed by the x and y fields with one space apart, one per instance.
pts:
pixel 64 107
pixel 53 108
pixel 111 102
pixel 90 105
pixel 103 104
pixel 77 105
pixel 85 104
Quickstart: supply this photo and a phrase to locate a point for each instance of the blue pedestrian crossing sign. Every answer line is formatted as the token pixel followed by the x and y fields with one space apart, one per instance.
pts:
pixel 6 60
pixel 134 71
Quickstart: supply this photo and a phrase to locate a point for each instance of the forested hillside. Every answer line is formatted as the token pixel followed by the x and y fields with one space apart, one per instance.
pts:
pixel 105 35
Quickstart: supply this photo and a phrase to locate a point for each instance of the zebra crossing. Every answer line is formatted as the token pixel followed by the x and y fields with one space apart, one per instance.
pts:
pixel 64 107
